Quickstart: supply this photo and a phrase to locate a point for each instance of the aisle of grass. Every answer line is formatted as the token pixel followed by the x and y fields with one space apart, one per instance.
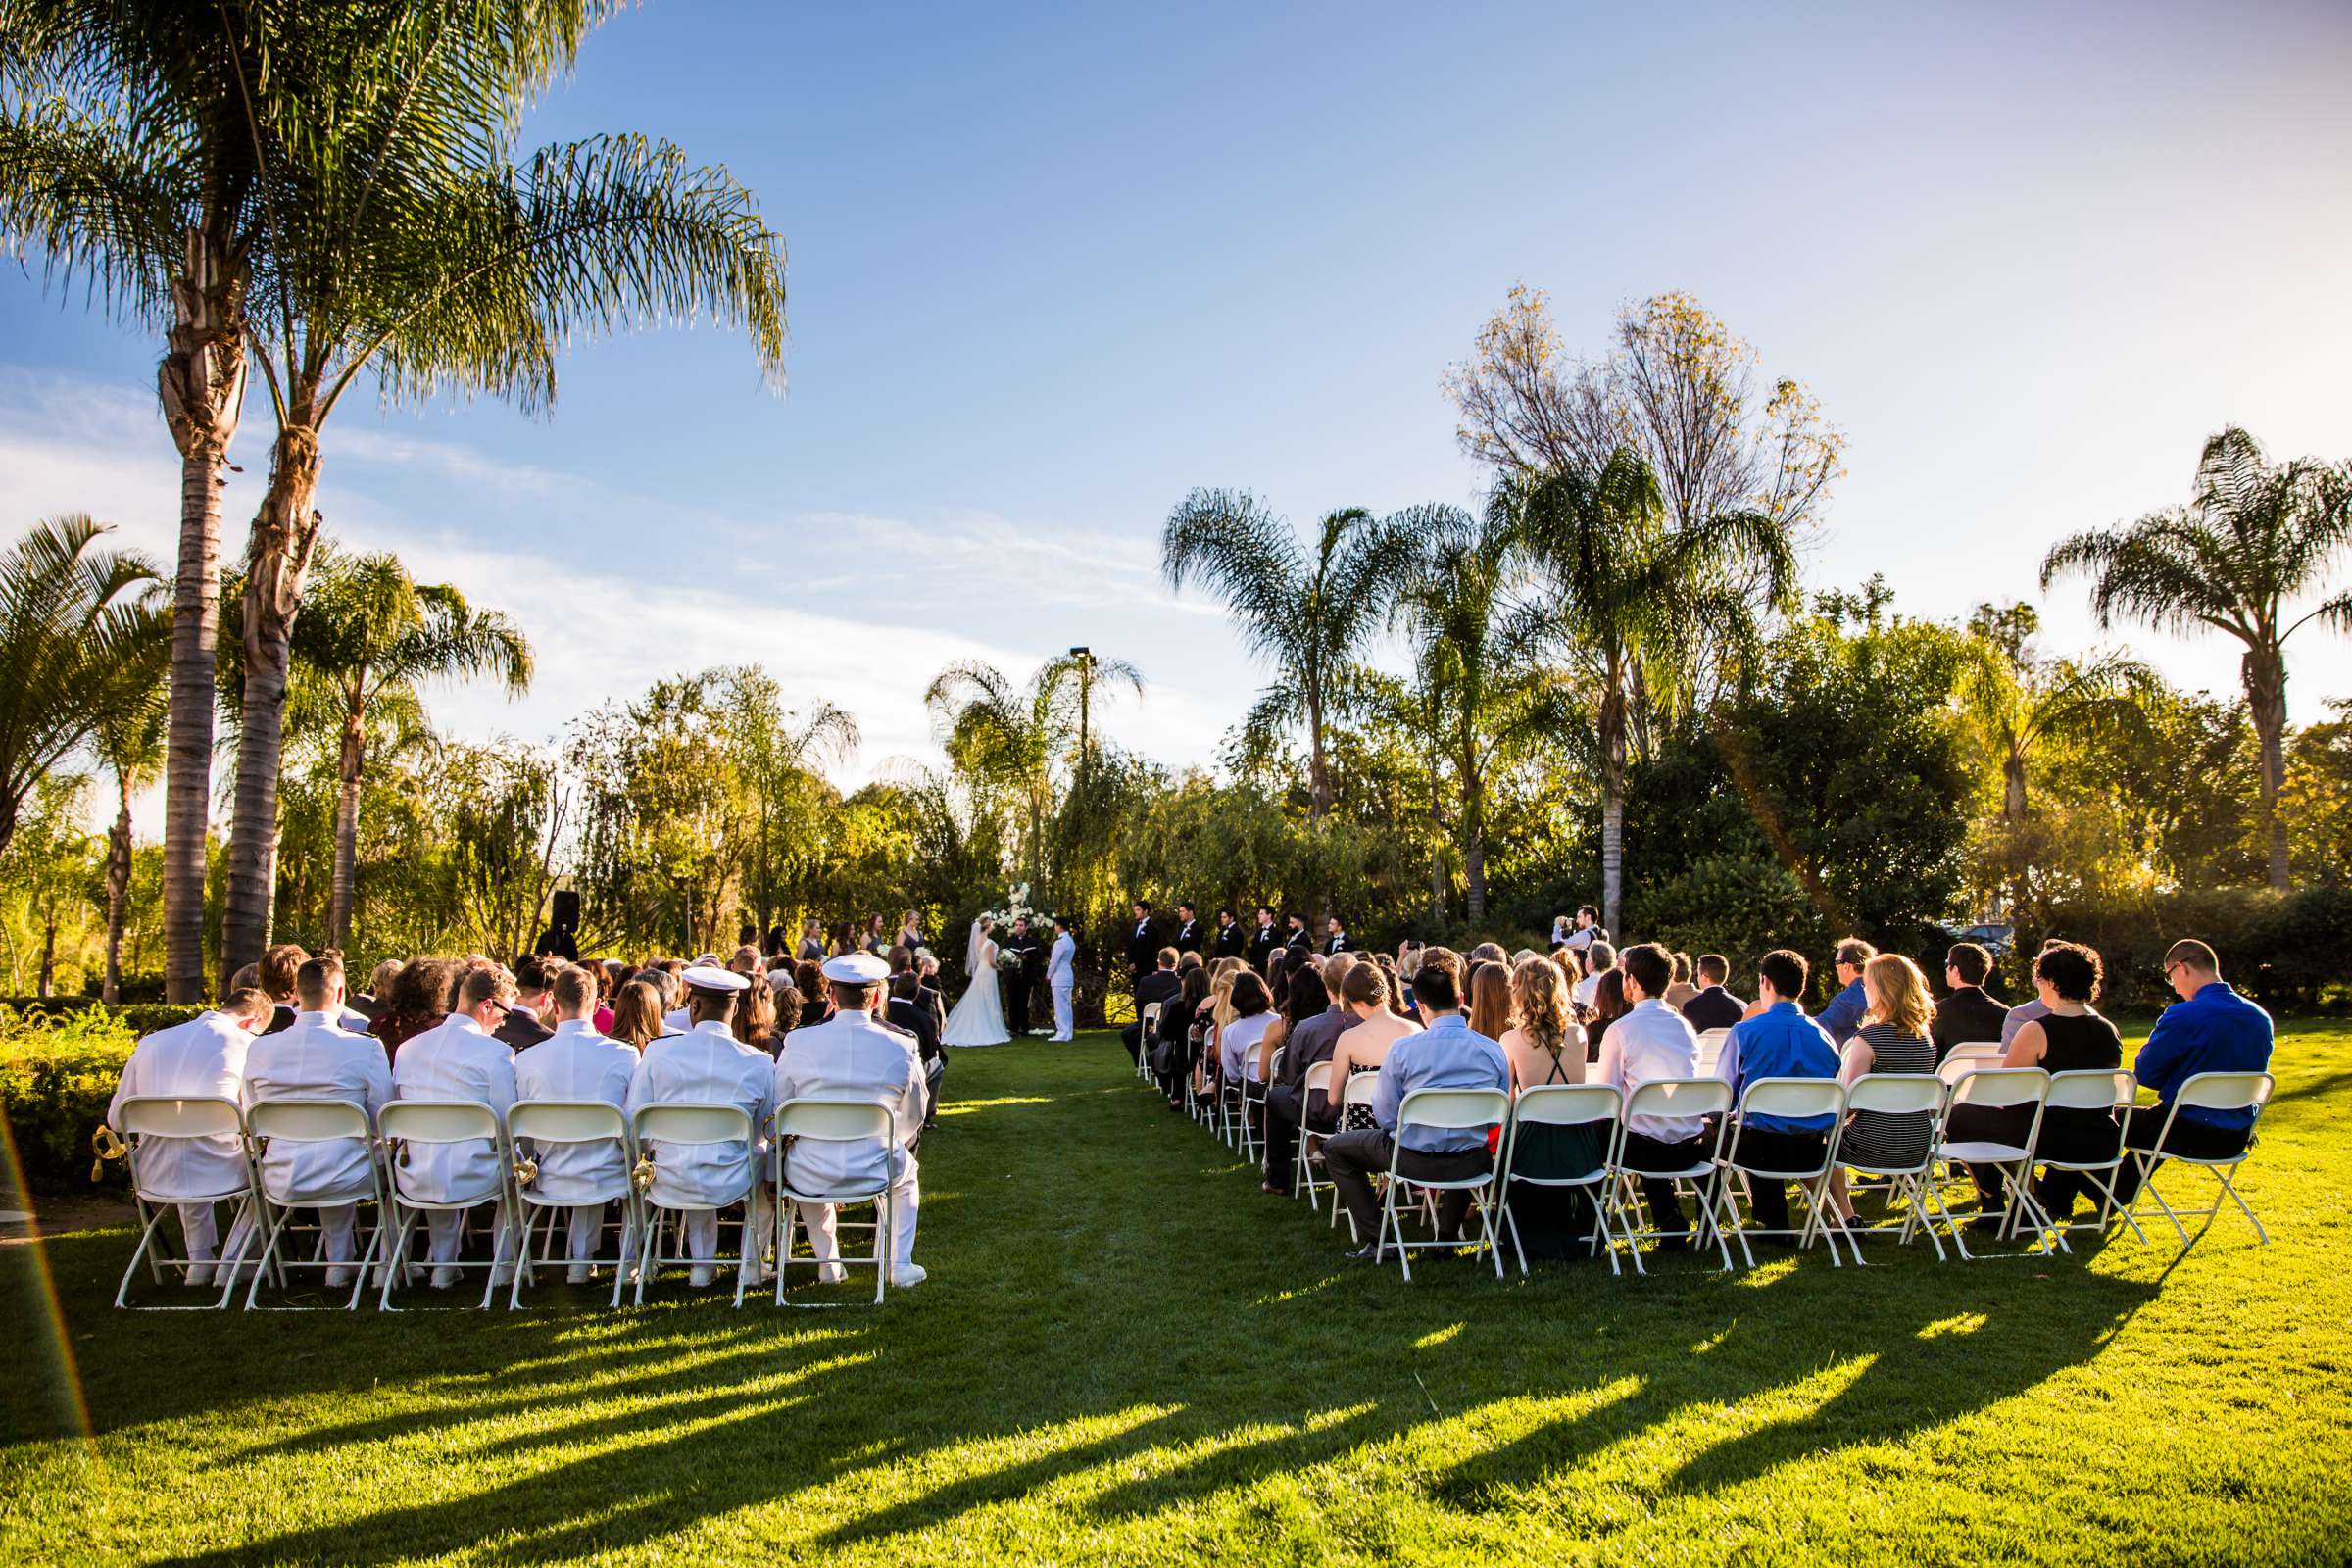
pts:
pixel 1126 1353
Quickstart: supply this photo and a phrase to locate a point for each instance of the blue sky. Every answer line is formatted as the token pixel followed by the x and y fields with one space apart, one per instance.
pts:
pixel 1051 268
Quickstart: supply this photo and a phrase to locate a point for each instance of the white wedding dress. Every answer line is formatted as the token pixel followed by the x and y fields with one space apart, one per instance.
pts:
pixel 978 1018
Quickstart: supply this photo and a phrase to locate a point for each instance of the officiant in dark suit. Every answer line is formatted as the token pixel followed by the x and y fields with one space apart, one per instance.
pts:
pixel 1019 983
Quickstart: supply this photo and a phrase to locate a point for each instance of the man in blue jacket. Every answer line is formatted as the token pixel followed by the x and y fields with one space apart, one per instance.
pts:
pixel 2210 1029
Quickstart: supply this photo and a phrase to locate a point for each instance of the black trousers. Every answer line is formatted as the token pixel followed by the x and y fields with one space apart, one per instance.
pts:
pixel 935 1073
pixel 1284 1116
pixel 1351 1158
pixel 2196 1139
pixel 1132 1035
pixel 1768 1200
pixel 1649 1153
pixel 1016 1002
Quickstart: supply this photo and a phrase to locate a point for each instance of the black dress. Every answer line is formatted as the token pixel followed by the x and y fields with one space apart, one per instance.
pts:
pixel 1554 1222
pixel 1888 1140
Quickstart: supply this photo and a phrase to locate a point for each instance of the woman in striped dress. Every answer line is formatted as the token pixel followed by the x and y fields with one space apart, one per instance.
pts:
pixel 1894 1039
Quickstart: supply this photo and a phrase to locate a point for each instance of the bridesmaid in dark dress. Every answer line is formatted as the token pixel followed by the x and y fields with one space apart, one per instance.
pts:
pixel 1545 1047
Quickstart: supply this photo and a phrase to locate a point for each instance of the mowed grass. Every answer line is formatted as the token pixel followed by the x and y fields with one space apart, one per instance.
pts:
pixel 1126 1353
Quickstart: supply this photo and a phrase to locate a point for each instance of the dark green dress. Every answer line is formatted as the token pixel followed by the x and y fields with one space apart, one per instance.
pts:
pixel 1555 1222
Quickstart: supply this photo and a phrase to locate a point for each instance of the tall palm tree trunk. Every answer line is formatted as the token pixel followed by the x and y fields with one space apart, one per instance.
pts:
pixel 1474 841
pixel 1613 809
pixel 202 384
pixel 118 890
pixel 1318 769
pixel 2265 671
pixel 347 829
pixel 284 531
pixel 2013 789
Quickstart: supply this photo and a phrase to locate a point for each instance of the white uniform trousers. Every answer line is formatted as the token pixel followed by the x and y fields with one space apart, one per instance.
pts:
pixel 447 1229
pixel 700 1227
pixel 1065 1012
pixel 585 1222
pixel 905 1201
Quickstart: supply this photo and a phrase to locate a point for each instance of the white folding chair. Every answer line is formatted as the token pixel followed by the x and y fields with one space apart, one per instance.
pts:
pixel 2207 1091
pixel 1793 1100
pixel 1444 1110
pixel 1890 1093
pixel 2110 1090
pixel 1710 1051
pixel 1302 1172
pixel 542 1124
pixel 314 1121
pixel 1565 1106
pixel 1148 1029
pixel 1999 1089
pixel 1678 1099
pixel 1359 1090
pixel 1253 1094
pixel 835 1121
pixel 407 1123
pixel 682 1126
pixel 1969 1058
pixel 147 1116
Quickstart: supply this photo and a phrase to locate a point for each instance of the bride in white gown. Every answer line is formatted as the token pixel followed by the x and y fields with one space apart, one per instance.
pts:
pixel 978 1018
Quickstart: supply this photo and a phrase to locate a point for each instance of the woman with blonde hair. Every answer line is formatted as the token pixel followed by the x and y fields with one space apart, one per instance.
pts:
pixel 1544 1047
pixel 1894 1039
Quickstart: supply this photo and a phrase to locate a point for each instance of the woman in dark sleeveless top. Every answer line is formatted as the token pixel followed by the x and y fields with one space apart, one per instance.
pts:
pixel 2070 1037
pixel 1544 1048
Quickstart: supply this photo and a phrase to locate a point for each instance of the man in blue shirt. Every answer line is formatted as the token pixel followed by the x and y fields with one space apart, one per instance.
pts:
pixel 1842 1019
pixel 1779 1042
pixel 2210 1029
pixel 1448 1054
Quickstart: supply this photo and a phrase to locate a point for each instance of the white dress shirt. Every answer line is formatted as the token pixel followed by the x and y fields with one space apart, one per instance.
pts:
pixel 851 1056
pixel 1651 1042
pixel 1587 990
pixel 202 1058
pixel 455 1061
pixel 316 1060
pixel 578 1063
pixel 707 1065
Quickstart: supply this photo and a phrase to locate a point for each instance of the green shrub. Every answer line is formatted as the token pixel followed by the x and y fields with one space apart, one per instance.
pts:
pixel 141 1018
pixel 2285 949
pixel 58 1069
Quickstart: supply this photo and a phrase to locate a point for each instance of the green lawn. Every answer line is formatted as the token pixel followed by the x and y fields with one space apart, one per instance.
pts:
pixel 1126 1353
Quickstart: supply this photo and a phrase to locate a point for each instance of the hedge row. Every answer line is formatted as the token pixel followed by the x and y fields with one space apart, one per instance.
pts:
pixel 58 1070
pixel 139 1017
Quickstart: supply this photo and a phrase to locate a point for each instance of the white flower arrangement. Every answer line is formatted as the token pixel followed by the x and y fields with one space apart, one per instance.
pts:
pixel 1016 907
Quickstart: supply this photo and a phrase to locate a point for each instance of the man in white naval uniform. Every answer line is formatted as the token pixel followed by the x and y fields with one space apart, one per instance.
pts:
pixel 314 1057
pixel 202 1058
pixel 576 1062
pixel 1062 974
pixel 852 1056
pixel 460 1059
pixel 707 1065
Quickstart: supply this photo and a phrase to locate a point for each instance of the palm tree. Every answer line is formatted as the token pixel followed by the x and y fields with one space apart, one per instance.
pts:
pixel 126 157
pixel 1476 662
pixel 372 637
pixel 79 634
pixel 404 240
pixel 1631 603
pixel 2014 703
pixel 1018 742
pixel 2252 537
pixel 1305 616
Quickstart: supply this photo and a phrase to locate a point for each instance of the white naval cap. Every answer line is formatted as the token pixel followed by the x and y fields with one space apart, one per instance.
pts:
pixel 856 969
pixel 711 977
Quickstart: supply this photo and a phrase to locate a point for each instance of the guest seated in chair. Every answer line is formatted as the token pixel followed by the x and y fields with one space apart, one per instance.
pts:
pixel 2210 1029
pixel 1779 1042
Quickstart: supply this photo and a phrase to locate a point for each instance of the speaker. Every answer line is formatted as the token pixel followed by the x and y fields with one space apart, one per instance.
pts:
pixel 568 910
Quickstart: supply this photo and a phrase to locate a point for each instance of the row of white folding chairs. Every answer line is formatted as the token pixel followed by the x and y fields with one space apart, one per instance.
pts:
pixel 517 1205
pixel 1614 1184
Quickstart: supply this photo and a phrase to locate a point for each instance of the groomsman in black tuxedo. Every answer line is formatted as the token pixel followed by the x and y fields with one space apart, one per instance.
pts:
pixel 1188 930
pixel 1232 940
pixel 1264 938
pixel 1337 940
pixel 1296 936
pixel 1142 943
pixel 1019 983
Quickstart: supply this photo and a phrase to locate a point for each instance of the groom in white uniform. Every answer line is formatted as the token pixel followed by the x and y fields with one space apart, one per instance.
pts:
pixel 1062 973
